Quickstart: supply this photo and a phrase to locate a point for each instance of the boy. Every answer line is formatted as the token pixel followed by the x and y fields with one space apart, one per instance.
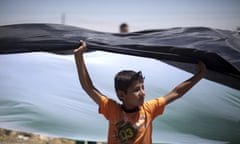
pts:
pixel 131 122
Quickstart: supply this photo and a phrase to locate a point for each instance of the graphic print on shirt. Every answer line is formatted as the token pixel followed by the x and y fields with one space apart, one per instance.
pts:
pixel 127 132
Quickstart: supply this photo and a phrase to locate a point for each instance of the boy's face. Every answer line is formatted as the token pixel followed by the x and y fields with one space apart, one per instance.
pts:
pixel 134 97
pixel 124 30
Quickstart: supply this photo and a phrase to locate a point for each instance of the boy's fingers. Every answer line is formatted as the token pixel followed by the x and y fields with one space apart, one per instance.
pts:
pixel 81 44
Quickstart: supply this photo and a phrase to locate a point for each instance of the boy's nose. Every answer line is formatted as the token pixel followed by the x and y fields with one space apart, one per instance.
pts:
pixel 142 93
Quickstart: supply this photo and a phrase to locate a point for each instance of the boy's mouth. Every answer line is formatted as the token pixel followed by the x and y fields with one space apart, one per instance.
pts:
pixel 141 101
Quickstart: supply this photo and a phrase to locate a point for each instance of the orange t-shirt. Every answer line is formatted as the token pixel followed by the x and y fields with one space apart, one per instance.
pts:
pixel 134 127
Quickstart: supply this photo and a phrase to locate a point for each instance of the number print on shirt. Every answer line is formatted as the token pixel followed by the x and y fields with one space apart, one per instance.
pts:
pixel 126 132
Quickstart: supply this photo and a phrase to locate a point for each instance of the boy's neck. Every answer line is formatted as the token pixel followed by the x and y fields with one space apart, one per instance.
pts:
pixel 130 110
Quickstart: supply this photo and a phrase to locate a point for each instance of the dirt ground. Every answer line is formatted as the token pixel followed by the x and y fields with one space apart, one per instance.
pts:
pixel 13 137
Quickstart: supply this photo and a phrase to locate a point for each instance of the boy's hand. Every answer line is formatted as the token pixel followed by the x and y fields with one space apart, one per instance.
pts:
pixel 202 67
pixel 82 48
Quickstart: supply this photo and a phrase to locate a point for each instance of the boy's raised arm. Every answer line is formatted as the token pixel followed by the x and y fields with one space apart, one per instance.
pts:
pixel 182 88
pixel 83 75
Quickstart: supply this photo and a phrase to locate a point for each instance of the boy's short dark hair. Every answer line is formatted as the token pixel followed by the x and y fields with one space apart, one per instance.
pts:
pixel 125 78
pixel 123 25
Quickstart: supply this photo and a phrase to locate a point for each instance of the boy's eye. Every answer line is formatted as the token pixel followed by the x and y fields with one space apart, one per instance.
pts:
pixel 136 89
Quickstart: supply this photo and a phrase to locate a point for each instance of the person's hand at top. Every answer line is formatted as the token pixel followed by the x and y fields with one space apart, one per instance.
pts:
pixel 81 48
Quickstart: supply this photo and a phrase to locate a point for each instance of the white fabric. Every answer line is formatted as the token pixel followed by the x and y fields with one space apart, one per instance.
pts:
pixel 40 93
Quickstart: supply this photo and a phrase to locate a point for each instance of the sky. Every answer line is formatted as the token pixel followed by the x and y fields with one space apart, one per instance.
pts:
pixel 107 15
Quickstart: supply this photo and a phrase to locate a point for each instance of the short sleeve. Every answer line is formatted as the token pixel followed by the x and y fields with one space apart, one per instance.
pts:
pixel 156 106
pixel 108 107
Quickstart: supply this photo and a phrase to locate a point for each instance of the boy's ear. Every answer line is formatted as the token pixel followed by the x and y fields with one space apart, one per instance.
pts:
pixel 121 95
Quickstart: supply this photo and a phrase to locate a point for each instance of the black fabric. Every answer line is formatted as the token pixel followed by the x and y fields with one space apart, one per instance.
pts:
pixel 181 47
